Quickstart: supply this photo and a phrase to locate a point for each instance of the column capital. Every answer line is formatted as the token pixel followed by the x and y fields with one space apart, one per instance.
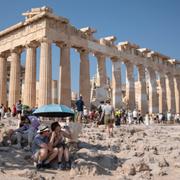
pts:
pixel 18 50
pixel 161 74
pixel 4 54
pixel 82 51
pixel 45 39
pixel 99 55
pixel 177 75
pixel 140 66
pixel 150 69
pixel 127 63
pixel 115 59
pixel 169 74
pixel 32 44
pixel 62 45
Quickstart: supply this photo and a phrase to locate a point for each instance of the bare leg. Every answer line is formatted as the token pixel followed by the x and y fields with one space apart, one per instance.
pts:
pixel 42 155
pixel 66 154
pixel 19 137
pixel 10 133
pixel 110 129
pixel 30 137
pixel 60 154
pixel 52 155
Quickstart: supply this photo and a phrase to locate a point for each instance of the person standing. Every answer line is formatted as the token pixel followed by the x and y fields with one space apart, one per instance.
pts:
pixel 129 114
pixel 177 118
pixel 19 109
pixel 14 110
pixel 135 115
pixel 108 111
pixel 80 108
pixel 117 117
pixel 0 112
pixel 169 116
pixel 147 119
pixel 140 117
pixel 100 111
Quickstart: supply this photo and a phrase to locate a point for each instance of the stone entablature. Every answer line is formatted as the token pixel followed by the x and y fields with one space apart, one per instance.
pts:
pixel 45 24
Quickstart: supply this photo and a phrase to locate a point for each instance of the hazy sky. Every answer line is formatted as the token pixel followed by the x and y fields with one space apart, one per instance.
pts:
pixel 154 24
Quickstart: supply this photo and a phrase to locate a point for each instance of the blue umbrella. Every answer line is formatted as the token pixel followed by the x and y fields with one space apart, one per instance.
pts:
pixel 53 110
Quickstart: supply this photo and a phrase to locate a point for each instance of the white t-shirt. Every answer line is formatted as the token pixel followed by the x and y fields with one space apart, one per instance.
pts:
pixel 135 114
pixel 85 112
pixel 108 109
pixel 168 116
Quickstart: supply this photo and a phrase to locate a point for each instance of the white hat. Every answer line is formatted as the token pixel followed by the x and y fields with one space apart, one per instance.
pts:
pixel 42 128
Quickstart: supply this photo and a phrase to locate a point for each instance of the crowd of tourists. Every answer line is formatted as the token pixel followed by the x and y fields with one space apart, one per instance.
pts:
pixel 51 143
pixel 126 116
pixel 16 110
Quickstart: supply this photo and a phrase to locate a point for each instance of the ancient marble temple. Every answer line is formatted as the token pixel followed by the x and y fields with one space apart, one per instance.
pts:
pixel 41 28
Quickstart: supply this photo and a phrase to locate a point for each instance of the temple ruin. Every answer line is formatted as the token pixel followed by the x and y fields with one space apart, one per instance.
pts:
pixel 41 28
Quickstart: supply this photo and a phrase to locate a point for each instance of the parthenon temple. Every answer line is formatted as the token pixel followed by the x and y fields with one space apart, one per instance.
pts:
pixel 41 28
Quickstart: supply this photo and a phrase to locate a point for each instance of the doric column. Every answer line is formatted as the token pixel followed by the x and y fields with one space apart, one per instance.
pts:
pixel 153 96
pixel 55 91
pixel 130 90
pixel 162 94
pixel 30 76
pixel 45 75
pixel 65 75
pixel 170 93
pixel 84 84
pixel 142 94
pixel 14 84
pixel 177 92
pixel 3 79
pixel 116 84
pixel 101 70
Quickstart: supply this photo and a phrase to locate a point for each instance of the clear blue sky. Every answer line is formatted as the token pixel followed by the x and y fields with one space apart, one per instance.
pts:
pixel 154 24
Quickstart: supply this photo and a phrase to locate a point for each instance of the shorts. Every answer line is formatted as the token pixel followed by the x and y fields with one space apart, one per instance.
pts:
pixel 19 112
pixel 62 144
pixel 108 119
pixel 79 115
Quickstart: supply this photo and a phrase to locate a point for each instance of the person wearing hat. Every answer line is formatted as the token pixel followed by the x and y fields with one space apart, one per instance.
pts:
pixel 43 152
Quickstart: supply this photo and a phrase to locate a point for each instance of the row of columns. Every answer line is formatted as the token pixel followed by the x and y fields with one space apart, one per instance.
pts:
pixel 169 88
pixel 151 102
pixel 45 95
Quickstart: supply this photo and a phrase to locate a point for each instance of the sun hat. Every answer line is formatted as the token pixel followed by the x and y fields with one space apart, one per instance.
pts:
pixel 43 128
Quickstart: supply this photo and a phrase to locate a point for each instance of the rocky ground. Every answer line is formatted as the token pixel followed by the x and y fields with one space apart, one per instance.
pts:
pixel 134 153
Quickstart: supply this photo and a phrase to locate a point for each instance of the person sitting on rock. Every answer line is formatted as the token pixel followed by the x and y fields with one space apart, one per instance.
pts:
pixel 32 131
pixel 42 149
pixel 25 133
pixel 58 140
pixel 20 133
